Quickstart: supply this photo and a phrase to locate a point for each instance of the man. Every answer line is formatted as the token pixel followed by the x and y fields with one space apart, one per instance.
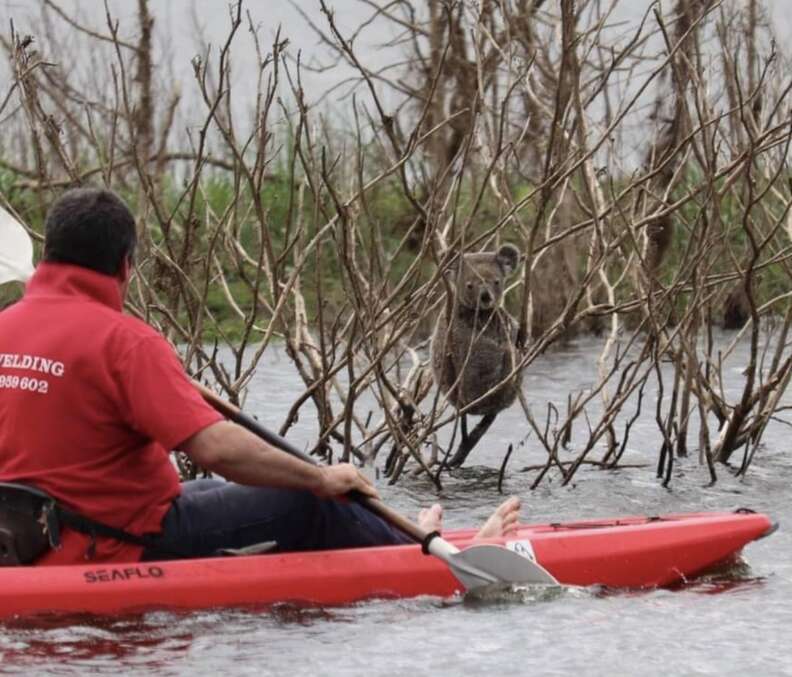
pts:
pixel 92 401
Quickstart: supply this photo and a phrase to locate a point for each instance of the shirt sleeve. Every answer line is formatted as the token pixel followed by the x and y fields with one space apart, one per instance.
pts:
pixel 159 400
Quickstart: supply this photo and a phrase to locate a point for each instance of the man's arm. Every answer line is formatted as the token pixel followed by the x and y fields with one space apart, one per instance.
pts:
pixel 235 453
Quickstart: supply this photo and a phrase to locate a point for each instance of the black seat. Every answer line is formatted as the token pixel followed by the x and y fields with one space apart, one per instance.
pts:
pixel 26 530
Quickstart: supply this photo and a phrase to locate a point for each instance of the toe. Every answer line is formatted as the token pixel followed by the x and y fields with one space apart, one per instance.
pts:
pixel 510 505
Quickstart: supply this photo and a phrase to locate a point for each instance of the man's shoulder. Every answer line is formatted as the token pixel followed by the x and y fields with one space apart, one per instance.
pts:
pixel 136 326
pixel 129 331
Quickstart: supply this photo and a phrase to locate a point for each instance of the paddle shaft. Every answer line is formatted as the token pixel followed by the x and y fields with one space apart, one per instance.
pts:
pixel 373 504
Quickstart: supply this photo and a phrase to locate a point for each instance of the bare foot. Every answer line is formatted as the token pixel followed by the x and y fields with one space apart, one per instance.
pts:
pixel 502 522
pixel 431 519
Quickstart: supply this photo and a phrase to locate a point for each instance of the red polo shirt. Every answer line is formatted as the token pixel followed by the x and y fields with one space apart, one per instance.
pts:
pixel 91 402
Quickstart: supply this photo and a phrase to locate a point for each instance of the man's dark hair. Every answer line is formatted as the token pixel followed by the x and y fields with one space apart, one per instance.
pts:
pixel 92 228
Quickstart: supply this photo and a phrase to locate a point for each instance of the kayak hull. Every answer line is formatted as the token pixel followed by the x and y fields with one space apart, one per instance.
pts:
pixel 631 552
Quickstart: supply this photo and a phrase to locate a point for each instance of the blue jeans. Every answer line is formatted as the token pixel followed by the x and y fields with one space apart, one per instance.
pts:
pixel 210 515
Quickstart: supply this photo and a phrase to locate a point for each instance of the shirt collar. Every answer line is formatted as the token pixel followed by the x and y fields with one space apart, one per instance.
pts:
pixel 63 279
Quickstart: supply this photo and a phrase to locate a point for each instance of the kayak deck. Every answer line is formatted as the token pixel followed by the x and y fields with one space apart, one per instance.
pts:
pixel 628 552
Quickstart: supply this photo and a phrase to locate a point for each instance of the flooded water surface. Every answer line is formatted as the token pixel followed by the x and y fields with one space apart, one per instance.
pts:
pixel 732 623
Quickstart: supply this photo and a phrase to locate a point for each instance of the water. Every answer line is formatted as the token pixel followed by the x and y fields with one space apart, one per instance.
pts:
pixel 731 624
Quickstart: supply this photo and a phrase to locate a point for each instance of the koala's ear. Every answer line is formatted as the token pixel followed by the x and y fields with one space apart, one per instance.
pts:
pixel 508 258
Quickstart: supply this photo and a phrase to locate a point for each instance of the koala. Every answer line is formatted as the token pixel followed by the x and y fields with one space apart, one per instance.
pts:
pixel 474 342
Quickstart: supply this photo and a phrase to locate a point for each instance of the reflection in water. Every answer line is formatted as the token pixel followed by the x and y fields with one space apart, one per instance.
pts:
pixel 84 639
pixel 729 577
pixel 150 639
pixel 293 614
pixel 727 585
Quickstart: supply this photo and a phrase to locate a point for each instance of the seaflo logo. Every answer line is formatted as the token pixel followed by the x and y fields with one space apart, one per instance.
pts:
pixel 126 574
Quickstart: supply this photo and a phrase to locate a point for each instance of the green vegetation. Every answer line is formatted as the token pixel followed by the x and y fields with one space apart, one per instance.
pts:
pixel 380 229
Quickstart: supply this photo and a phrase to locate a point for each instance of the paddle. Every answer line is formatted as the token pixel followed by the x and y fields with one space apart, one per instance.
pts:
pixel 477 565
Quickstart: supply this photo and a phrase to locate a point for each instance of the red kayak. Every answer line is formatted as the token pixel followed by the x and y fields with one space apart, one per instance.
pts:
pixel 632 552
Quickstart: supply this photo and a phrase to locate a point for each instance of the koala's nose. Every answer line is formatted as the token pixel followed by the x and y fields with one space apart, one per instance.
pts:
pixel 485 297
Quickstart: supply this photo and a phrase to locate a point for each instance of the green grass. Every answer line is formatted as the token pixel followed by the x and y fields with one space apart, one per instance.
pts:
pixel 386 217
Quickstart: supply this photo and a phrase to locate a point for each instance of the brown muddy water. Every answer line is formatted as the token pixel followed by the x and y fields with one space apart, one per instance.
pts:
pixel 733 623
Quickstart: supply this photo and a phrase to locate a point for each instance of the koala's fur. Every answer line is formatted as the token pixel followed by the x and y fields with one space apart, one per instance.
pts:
pixel 473 346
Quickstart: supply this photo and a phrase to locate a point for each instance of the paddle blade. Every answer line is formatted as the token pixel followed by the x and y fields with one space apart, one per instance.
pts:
pixel 486 564
pixel 16 250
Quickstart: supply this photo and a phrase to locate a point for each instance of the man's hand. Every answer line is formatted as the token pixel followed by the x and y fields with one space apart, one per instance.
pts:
pixel 340 479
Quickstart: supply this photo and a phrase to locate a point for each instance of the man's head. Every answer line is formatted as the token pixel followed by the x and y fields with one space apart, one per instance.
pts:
pixel 92 228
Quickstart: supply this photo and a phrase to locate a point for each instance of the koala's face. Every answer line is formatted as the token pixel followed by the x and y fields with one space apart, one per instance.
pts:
pixel 482 277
